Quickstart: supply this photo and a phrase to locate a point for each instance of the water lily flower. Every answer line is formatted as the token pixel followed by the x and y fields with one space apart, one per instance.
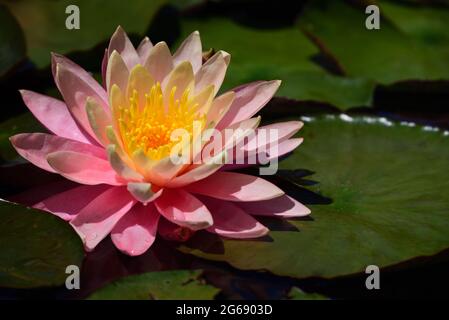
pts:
pixel 113 141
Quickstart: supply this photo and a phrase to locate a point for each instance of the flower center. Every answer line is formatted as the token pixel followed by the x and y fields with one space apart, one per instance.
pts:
pixel 148 126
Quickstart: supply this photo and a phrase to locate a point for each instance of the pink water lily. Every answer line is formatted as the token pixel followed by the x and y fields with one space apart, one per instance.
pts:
pixel 112 140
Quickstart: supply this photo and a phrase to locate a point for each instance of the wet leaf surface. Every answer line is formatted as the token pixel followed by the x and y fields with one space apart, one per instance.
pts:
pixel 12 42
pixel 163 285
pixel 278 54
pixel 386 55
pixel 375 200
pixel 378 193
pixel 35 248
pixel 297 294
pixel 98 21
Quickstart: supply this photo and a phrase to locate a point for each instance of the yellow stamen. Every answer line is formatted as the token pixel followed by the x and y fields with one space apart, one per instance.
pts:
pixel 149 127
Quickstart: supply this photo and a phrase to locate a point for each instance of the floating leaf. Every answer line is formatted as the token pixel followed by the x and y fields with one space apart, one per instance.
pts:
pixel 186 4
pixel 12 42
pixel 297 294
pixel 428 24
pixel 35 247
pixel 284 54
pixel 389 186
pixel 163 285
pixel 386 55
pixel 44 23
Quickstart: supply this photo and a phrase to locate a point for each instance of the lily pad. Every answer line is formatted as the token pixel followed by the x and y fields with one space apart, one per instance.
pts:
pixel 35 248
pixel 278 54
pixel 297 294
pixel 12 41
pixel 163 285
pixel 186 4
pixel 428 24
pixel 386 55
pixel 389 185
pixel 44 23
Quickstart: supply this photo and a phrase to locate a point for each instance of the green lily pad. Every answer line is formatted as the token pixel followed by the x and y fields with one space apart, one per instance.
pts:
pixel 428 24
pixel 44 23
pixel 186 4
pixel 284 54
pixel 389 185
pixel 297 294
pixel 35 247
pixel 162 285
pixel 386 55
pixel 12 41
pixel 25 122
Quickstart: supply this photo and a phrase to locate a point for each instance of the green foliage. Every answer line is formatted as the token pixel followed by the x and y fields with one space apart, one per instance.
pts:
pixel 386 55
pixel 380 190
pixel 12 42
pixel 297 294
pixel 173 285
pixel 284 54
pixel 43 22
pixel 388 204
pixel 428 24
pixel 35 248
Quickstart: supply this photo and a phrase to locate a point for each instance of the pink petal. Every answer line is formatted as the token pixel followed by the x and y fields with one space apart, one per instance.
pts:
pixel 183 209
pixel 158 172
pixel 99 217
pixel 285 147
pixel 283 206
pixel 235 187
pixel 249 99
pixel 266 140
pixel 136 231
pixel 220 107
pixel 36 146
pixel 116 72
pixel 144 49
pixel 231 221
pixel 68 204
pixel 75 86
pixel 104 66
pixel 116 101
pixel 120 167
pixel 142 192
pixel 212 72
pixel 98 120
pixel 83 168
pixel 264 136
pixel 141 81
pixel 198 172
pixel 55 116
pixel 239 132
pixel 159 62
pixel 190 50
pixel 83 76
pixel 180 77
pixel 226 56
pixel 69 64
pixel 246 128
pixel 204 99
pixel 282 149
pixel 172 232
pixel 121 43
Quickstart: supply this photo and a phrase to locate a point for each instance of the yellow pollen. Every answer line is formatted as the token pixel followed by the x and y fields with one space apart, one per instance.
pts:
pixel 148 127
